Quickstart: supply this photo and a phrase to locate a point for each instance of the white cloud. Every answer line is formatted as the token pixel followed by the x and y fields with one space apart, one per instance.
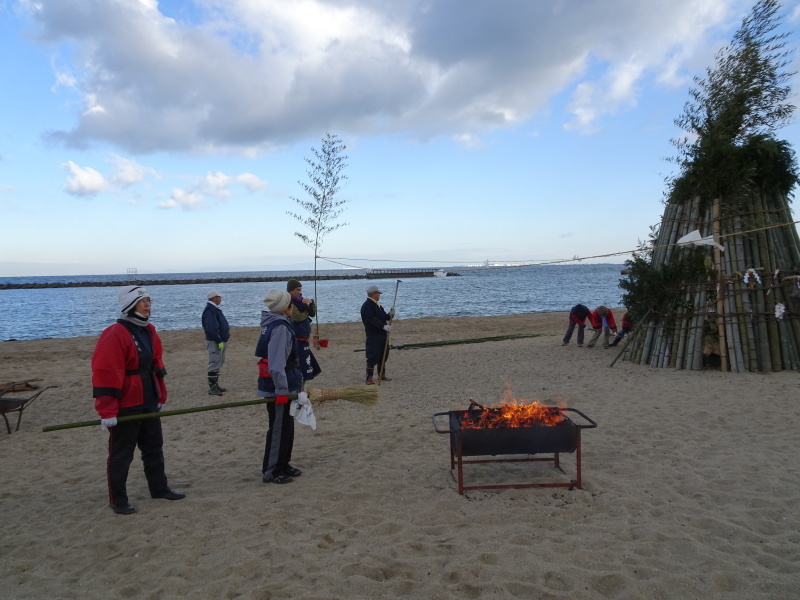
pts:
pixel 183 199
pixel 251 182
pixel 84 181
pixel 616 90
pixel 247 75
pixel 128 172
pixel 216 185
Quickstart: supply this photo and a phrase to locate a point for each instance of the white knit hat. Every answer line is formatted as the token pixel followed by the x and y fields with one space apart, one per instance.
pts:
pixel 213 294
pixel 277 300
pixel 129 295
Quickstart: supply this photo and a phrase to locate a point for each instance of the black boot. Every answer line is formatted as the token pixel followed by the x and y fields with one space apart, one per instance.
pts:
pixel 219 387
pixel 370 373
pixel 213 388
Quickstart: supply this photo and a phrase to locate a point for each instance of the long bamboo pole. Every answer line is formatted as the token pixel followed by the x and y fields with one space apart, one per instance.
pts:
pixel 164 413
pixel 632 336
pixel 723 346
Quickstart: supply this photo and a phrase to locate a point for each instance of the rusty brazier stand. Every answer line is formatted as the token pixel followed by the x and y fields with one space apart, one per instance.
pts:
pixel 564 437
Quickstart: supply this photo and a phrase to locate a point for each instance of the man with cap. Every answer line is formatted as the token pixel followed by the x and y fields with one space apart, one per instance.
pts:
pixel 302 311
pixel 128 379
pixel 278 377
pixel 376 326
pixel 217 332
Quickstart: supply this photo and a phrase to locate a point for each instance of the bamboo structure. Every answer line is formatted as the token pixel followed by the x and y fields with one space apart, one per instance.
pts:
pixel 731 316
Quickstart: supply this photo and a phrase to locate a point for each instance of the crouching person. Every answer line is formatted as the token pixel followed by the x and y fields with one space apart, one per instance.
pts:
pixel 128 379
pixel 279 377
pixel 627 329
pixel 603 322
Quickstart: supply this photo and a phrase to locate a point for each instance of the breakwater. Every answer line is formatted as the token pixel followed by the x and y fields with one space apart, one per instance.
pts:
pixel 215 280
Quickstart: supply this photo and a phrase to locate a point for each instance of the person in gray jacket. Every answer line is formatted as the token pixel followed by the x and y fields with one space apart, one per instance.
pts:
pixel 217 332
pixel 279 377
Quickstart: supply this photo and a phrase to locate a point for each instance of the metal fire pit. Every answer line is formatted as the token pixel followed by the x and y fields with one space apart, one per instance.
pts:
pixel 564 437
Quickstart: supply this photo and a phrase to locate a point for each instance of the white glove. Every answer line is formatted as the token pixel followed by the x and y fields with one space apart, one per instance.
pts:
pixel 387 328
pixel 302 410
pixel 105 424
pixel 391 313
pixel 159 406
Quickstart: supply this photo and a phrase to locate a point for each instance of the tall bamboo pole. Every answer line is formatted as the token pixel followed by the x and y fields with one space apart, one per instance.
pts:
pixel 723 346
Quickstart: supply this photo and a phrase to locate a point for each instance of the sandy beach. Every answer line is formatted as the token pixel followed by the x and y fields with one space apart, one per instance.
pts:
pixel 691 483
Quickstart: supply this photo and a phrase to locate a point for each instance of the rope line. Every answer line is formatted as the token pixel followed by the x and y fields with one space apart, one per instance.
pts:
pixel 538 263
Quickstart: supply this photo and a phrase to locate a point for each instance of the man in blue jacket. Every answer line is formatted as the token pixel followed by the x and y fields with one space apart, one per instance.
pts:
pixel 376 326
pixel 217 334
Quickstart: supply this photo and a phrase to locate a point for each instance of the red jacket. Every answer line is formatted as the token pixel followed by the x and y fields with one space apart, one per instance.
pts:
pixel 114 354
pixel 627 323
pixel 597 320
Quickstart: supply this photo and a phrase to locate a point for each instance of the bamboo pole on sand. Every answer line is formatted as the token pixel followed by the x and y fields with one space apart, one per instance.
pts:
pixel 359 394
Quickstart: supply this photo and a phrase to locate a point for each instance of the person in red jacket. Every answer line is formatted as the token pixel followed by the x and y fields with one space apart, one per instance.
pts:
pixel 603 322
pixel 627 328
pixel 128 379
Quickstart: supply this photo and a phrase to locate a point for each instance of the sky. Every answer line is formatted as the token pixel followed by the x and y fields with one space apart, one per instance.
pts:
pixel 172 136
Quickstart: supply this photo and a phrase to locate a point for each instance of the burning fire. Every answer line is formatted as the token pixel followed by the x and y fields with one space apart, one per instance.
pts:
pixel 511 413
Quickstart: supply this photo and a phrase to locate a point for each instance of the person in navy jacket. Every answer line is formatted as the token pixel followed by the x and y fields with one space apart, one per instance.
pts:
pixel 376 326
pixel 218 332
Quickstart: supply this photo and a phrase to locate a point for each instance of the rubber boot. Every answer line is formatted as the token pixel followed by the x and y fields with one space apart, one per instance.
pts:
pixel 213 388
pixel 370 373
pixel 219 387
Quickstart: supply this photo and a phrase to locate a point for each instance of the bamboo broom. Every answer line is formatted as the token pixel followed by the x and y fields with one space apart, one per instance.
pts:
pixel 359 394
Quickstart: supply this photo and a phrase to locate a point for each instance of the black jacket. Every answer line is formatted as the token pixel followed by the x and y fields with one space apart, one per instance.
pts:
pixel 374 318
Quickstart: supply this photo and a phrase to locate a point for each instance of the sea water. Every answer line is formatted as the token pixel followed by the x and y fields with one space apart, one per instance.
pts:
pixel 27 314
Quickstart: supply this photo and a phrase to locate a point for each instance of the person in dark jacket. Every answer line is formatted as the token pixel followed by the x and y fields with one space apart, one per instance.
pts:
pixel 376 326
pixel 577 316
pixel 302 311
pixel 128 379
pixel 218 332
pixel 278 377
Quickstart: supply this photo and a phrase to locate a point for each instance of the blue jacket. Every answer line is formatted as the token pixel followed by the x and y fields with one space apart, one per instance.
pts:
pixel 374 318
pixel 215 324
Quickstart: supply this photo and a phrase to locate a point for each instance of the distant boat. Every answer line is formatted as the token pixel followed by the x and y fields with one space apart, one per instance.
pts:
pixel 440 273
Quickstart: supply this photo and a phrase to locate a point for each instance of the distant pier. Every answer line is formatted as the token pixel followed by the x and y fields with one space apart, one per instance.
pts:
pixel 405 273
pixel 66 284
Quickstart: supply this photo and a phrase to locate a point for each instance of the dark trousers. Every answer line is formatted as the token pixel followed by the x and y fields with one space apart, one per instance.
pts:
pixel 122 441
pixel 375 347
pixel 571 328
pixel 280 439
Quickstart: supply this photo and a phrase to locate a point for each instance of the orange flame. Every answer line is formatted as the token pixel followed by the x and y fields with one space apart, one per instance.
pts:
pixel 513 413
pixel 507 415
